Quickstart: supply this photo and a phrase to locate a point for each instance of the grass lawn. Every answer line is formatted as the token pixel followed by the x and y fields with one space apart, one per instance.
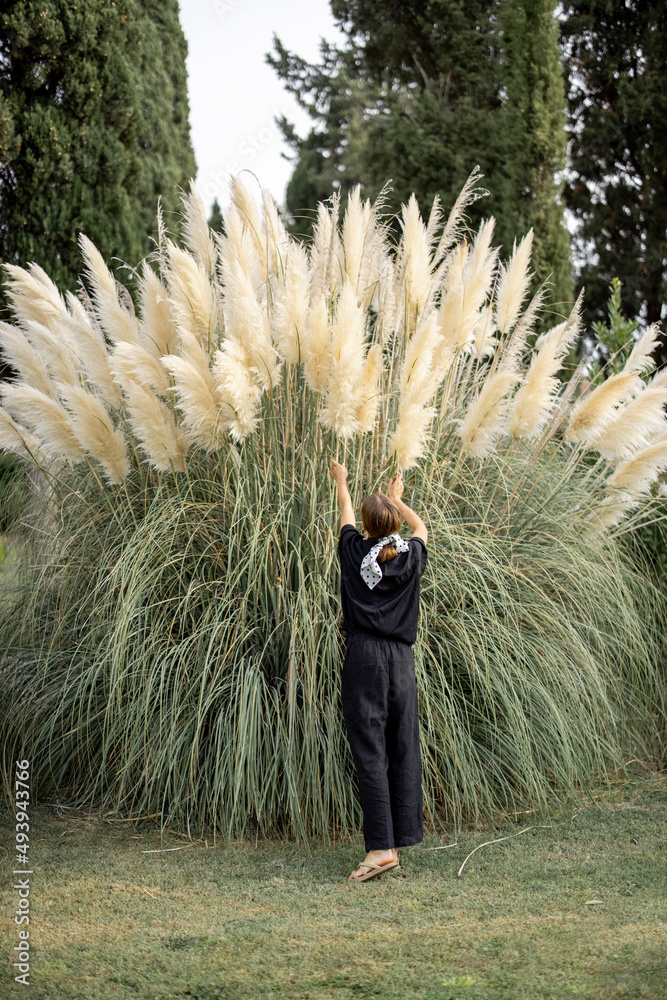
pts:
pixel 576 908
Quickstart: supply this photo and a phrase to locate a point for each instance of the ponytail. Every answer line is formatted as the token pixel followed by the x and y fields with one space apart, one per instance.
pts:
pixel 381 518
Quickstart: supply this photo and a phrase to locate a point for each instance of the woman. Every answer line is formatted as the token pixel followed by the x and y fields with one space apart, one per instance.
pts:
pixel 380 600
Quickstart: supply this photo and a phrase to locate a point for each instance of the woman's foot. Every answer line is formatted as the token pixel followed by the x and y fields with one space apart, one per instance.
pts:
pixel 375 858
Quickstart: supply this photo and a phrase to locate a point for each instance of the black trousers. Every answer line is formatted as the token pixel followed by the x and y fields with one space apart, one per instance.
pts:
pixel 379 698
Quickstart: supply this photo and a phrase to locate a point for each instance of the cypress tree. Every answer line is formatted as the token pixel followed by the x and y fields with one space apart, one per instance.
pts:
pixel 534 117
pixel 215 221
pixel 93 127
pixel 165 155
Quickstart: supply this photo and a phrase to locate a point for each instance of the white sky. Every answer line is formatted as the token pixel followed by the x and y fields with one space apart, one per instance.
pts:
pixel 234 94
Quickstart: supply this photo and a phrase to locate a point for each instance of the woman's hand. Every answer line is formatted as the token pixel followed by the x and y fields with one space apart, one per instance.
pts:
pixel 338 471
pixel 395 487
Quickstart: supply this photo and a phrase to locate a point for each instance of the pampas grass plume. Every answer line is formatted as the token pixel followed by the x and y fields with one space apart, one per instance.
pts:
pixel 198 401
pixel 592 412
pixel 637 424
pixel 316 345
pixel 117 322
pixel 370 389
pixel 640 358
pixel 237 247
pixel 409 440
pixel 288 319
pixel 632 480
pixel 277 239
pixel 196 233
pixel 356 225
pixel 413 264
pixel 158 328
pixel 456 219
pixel 94 429
pixel 249 212
pixel 46 417
pixel 92 350
pixel 248 324
pixel 534 401
pixel 513 284
pixel 130 362
pixel 238 390
pixel 452 300
pixel 484 419
pixel 346 356
pixel 58 351
pixel 165 444
pixel 22 356
pixel 325 252
pixel 191 295
pixel 479 269
pixel 18 439
pixel 420 376
pixel 34 297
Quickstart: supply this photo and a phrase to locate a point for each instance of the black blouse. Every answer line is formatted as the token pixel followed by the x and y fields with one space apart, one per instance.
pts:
pixel 391 608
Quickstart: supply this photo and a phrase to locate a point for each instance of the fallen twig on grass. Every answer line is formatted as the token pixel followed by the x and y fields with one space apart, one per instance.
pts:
pixel 443 848
pixel 132 819
pixel 545 827
pixel 163 850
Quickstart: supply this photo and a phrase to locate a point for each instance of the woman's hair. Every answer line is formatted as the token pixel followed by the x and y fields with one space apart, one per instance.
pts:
pixel 381 518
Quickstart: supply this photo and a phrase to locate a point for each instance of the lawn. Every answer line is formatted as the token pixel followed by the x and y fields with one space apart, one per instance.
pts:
pixel 575 907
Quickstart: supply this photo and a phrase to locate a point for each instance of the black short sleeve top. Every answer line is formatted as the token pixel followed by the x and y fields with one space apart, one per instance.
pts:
pixel 390 610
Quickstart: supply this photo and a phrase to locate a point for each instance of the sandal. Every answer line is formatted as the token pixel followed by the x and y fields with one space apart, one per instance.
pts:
pixel 372 870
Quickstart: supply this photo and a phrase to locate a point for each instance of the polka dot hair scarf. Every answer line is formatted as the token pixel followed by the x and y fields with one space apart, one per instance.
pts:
pixel 371 573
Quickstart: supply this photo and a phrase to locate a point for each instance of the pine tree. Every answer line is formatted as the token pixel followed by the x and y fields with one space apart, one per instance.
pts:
pixel 406 98
pixel 93 127
pixel 421 93
pixel 616 56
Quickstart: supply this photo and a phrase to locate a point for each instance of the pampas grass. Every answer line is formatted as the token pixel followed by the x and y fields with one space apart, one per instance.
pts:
pixel 131 362
pixel 238 389
pixel 533 403
pixel 638 423
pixel 158 327
pixel 93 428
pixel 419 378
pixel 593 412
pixel 204 415
pixel 18 439
pixel 290 305
pixel 630 481
pixel 34 297
pixel 326 251
pixel 118 323
pixel 46 417
pixel 196 234
pixel 176 621
pixel 25 359
pixel 91 350
pixel 345 365
pixel 513 284
pixel 191 295
pixel 153 423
